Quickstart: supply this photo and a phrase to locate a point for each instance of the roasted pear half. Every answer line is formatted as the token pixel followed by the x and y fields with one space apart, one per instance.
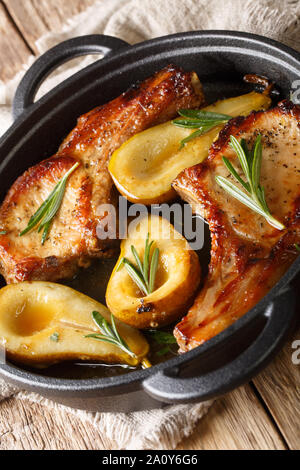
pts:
pixel 42 323
pixel 176 281
pixel 144 167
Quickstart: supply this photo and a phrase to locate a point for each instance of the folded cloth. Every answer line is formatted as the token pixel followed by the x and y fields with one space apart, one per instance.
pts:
pixel 135 21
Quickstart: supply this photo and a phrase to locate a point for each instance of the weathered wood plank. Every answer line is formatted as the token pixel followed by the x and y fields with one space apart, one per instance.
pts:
pixel 36 17
pixel 237 421
pixel 30 426
pixel 13 49
pixel 279 387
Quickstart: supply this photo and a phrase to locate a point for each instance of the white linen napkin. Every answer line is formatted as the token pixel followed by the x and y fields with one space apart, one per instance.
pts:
pixel 135 21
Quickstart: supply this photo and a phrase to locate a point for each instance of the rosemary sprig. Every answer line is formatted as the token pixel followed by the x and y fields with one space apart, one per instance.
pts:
pixel 204 121
pixel 144 274
pixel 250 161
pixel 297 246
pixel 109 333
pixel 44 216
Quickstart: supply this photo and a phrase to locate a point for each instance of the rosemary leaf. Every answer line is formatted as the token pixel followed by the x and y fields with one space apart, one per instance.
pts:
pixel 189 124
pixel 116 333
pixel 37 217
pixel 46 231
pixel 103 338
pixel 109 333
pixel 119 265
pixel 239 194
pixel 204 121
pixel 146 260
pixel 102 324
pixel 55 203
pixel 256 166
pixel 136 276
pixel 191 137
pixel 43 217
pixel 236 146
pixel 98 319
pixel 203 115
pixel 250 161
pixel 262 198
pixel 235 173
pixel 248 152
pixel 137 259
pixel 144 273
pixel 153 270
pixel 297 247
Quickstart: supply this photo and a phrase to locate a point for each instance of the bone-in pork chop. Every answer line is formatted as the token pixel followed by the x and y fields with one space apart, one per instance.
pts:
pixel 248 255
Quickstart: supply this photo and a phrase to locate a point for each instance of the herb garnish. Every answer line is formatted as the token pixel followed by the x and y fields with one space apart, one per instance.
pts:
pixel 3 232
pixel 250 161
pixel 163 351
pixel 109 333
pixel 162 337
pixel 44 216
pixel 297 247
pixel 55 337
pixel 204 121
pixel 144 273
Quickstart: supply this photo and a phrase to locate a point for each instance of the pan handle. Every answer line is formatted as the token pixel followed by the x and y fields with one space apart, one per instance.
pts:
pixel 63 52
pixel 167 387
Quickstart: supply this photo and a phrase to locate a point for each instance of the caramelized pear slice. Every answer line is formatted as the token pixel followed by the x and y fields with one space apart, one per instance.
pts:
pixel 176 281
pixel 144 167
pixel 43 323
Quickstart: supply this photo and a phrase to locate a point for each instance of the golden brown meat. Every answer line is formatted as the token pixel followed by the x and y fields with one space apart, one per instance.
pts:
pixel 73 239
pixel 248 255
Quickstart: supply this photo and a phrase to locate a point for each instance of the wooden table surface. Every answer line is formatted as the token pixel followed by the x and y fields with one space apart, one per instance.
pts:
pixel 264 414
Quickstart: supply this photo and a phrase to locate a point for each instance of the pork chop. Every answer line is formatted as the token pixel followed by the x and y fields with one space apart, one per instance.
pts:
pixel 73 240
pixel 248 255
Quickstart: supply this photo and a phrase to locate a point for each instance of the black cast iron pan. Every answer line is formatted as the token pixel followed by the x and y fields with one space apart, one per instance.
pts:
pixel 220 59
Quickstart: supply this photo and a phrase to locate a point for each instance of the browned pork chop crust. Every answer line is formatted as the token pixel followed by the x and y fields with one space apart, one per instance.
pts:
pixel 248 256
pixel 73 240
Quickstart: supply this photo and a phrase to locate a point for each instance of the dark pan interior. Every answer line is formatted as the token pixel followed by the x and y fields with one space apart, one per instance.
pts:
pixel 220 62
